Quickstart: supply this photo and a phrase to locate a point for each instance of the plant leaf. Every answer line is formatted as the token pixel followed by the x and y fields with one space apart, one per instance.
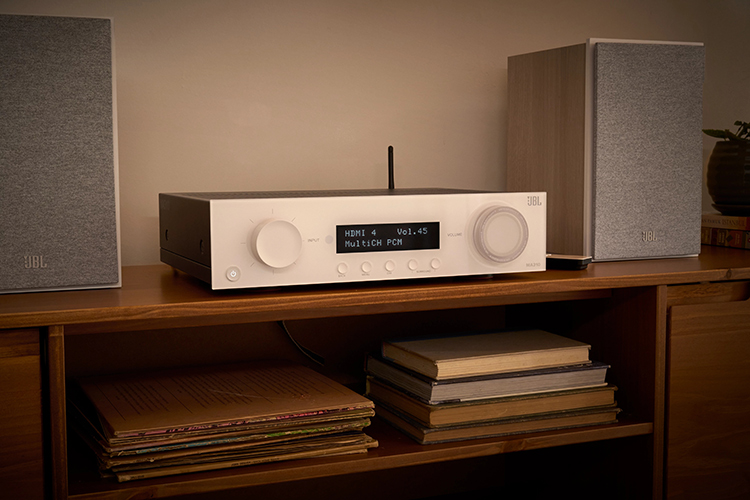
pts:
pixel 721 134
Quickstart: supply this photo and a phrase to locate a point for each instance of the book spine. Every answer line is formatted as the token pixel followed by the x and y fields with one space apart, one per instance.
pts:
pixel 725 222
pixel 725 237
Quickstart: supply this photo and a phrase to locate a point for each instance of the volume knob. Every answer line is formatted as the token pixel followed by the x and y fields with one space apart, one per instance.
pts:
pixel 277 243
pixel 500 234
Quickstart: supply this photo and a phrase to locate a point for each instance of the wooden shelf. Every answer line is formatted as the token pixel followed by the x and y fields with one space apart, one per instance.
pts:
pixel 157 295
pixel 395 450
pixel 619 308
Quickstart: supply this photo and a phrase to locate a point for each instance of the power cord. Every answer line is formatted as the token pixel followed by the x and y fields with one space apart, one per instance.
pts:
pixel 317 358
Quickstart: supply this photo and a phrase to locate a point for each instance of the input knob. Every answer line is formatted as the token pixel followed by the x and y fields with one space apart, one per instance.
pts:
pixel 500 234
pixel 277 243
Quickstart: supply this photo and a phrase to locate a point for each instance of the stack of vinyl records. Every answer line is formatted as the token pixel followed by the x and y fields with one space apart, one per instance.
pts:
pixel 196 419
pixel 489 384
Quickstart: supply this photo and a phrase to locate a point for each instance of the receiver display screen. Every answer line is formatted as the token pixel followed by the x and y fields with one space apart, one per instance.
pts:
pixel 387 237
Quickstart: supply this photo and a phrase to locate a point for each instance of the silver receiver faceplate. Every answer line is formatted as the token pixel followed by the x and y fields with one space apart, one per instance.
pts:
pixel 264 239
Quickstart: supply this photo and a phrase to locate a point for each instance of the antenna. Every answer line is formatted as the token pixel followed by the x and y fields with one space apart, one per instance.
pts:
pixel 391 180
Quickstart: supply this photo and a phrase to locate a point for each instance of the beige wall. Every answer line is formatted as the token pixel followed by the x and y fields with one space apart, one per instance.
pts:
pixel 291 94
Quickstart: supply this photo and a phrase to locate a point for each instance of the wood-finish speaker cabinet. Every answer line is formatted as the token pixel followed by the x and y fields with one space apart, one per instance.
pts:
pixel 58 158
pixel 611 130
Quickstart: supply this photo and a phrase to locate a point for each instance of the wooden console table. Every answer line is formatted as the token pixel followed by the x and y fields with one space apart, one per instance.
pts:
pixel 664 326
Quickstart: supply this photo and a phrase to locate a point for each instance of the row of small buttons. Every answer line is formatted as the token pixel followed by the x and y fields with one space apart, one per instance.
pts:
pixel 389 266
pixel 233 273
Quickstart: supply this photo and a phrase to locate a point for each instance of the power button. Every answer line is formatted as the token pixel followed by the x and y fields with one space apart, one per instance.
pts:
pixel 233 273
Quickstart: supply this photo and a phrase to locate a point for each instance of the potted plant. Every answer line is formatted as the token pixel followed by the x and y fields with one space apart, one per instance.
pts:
pixel 728 174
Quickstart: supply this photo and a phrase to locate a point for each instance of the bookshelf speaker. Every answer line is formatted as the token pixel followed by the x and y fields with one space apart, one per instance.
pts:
pixel 58 157
pixel 611 130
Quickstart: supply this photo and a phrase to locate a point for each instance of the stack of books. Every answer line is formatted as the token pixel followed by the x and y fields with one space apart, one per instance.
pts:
pixel 725 230
pixel 490 384
pixel 189 420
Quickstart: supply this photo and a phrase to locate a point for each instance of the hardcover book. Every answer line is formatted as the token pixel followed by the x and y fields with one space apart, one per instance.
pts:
pixel 498 427
pixel 735 222
pixel 436 415
pixel 489 386
pixel 485 353
pixel 723 237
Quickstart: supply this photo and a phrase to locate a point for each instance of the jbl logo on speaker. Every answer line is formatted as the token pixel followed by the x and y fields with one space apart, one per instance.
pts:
pixel 34 262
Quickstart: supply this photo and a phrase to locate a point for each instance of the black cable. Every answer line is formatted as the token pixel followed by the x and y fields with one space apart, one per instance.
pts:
pixel 304 350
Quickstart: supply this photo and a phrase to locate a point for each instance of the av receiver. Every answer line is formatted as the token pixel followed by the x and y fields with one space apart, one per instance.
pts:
pixel 268 239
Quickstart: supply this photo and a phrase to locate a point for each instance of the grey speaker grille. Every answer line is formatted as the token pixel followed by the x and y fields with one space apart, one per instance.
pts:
pixel 647 159
pixel 58 213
